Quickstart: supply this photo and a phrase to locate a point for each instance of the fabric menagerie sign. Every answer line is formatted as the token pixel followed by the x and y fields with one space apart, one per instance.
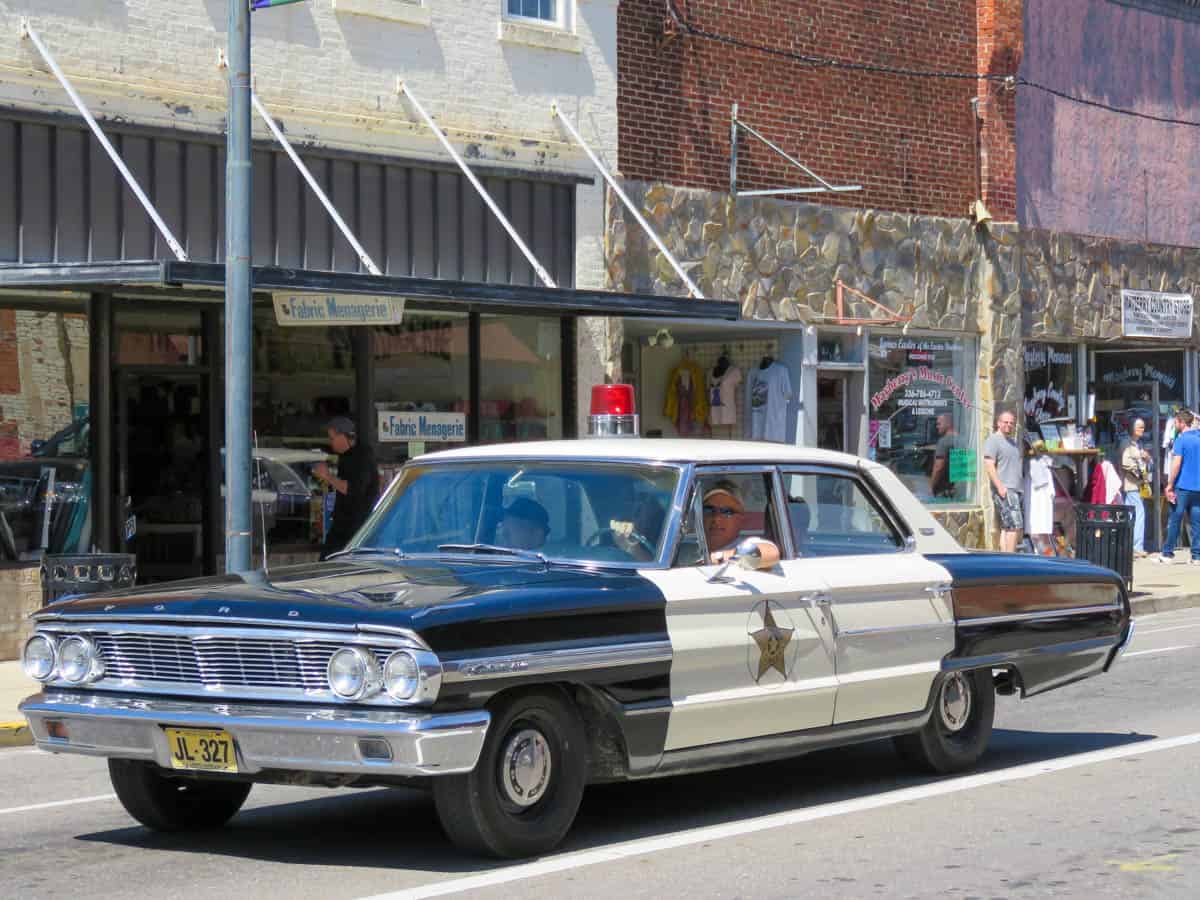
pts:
pixel 338 309
pixel 1152 314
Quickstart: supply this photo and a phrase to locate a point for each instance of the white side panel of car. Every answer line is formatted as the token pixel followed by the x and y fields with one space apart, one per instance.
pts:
pixel 892 626
pixel 721 689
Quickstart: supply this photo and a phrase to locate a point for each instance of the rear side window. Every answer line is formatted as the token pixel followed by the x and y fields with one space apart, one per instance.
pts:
pixel 831 515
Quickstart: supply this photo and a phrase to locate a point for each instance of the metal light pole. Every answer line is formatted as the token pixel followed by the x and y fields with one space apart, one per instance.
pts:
pixel 238 312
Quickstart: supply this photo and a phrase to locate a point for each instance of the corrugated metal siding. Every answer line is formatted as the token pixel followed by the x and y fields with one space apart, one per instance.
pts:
pixel 61 200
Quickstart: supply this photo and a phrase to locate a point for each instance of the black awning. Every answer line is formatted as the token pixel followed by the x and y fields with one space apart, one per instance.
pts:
pixel 201 277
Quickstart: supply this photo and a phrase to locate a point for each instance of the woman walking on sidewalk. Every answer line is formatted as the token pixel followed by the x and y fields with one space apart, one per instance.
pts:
pixel 1134 474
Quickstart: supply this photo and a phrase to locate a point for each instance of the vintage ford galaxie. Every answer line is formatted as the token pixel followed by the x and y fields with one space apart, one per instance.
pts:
pixel 516 622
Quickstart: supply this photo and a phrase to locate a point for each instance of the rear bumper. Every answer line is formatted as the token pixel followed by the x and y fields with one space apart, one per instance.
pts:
pixel 289 737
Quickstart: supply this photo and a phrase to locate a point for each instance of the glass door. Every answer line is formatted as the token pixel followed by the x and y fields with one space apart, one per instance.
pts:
pixel 831 412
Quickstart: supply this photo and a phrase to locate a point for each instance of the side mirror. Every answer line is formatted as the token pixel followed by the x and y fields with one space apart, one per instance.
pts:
pixel 910 544
pixel 754 554
pixel 751 554
pixel 35 447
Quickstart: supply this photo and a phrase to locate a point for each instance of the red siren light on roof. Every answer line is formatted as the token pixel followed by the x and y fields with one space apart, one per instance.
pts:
pixel 614 411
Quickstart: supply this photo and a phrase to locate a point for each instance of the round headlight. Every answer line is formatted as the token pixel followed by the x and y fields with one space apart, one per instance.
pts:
pixel 39 658
pixel 353 673
pixel 402 676
pixel 79 660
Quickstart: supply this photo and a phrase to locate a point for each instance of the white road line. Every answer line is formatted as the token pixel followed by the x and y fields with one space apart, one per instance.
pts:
pixel 31 807
pixel 643 847
pixel 1159 650
pixel 1141 631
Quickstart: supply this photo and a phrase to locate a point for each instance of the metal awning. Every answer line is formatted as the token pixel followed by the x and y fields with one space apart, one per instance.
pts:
pixel 198 278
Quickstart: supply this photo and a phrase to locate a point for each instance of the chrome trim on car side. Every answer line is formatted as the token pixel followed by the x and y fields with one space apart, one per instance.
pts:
pixel 1043 614
pixel 1126 641
pixel 290 738
pixel 548 662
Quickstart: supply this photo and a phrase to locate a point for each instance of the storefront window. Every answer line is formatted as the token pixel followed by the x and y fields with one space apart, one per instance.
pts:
pixel 44 386
pixel 922 423
pixel 303 377
pixel 154 336
pixel 1049 384
pixel 422 367
pixel 520 389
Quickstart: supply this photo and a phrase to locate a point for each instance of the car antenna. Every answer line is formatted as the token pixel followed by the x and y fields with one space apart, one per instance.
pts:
pixel 262 506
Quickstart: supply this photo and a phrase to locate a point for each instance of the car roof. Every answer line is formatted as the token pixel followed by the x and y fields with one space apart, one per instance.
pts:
pixel 681 450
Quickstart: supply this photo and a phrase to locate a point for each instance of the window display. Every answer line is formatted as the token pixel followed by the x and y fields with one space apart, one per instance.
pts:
pixel 922 422
pixel 520 385
pixel 1049 384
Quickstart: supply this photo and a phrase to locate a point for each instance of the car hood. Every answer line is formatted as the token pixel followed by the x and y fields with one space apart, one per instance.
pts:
pixel 427 597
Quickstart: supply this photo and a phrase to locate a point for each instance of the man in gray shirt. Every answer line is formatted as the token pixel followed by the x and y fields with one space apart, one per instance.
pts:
pixel 1002 461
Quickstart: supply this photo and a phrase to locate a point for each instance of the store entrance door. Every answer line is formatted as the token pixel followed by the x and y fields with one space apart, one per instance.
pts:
pixel 831 412
pixel 1117 406
pixel 162 468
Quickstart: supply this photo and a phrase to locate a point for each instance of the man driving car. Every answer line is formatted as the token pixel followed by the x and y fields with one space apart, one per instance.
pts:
pixel 724 512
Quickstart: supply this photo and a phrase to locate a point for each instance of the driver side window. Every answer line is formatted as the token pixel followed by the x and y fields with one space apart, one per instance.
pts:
pixel 726 509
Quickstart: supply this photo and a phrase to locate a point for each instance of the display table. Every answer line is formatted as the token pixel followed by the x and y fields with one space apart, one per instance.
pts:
pixel 1080 457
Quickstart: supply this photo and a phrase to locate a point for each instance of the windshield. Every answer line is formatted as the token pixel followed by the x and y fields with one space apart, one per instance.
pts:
pixel 586 512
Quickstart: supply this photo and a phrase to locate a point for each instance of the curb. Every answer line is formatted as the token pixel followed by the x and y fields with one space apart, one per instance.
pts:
pixel 15 734
pixel 1143 606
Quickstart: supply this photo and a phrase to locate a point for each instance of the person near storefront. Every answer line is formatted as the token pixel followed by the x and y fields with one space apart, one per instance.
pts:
pixel 1135 476
pixel 356 485
pixel 1002 461
pixel 1183 488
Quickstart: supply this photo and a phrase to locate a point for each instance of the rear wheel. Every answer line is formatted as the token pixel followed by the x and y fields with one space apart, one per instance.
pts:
pixel 522 795
pixel 958 731
pixel 174 804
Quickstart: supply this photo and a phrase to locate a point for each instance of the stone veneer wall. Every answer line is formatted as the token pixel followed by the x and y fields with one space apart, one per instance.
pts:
pixel 1072 283
pixel 780 260
pixel 20 597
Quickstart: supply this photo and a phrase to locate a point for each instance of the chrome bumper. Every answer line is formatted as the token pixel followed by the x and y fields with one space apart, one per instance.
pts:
pixel 291 737
pixel 1125 642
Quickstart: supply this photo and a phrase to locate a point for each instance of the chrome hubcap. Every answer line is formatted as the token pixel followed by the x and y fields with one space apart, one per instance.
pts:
pixel 525 767
pixel 956 702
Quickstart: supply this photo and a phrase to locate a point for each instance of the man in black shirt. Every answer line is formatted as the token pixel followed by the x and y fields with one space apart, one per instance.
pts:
pixel 355 487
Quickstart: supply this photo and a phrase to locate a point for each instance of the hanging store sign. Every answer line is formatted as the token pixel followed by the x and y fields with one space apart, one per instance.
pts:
pixel 435 427
pixel 338 309
pixel 1151 314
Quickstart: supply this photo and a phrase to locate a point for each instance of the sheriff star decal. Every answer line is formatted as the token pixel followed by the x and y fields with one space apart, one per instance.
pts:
pixel 773 639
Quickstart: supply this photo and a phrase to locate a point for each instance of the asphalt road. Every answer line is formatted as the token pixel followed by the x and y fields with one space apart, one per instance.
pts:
pixel 1093 790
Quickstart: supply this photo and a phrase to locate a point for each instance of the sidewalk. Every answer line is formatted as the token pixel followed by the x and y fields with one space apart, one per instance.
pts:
pixel 1156 588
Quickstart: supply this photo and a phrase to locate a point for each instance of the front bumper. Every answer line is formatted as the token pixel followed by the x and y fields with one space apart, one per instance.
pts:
pixel 289 737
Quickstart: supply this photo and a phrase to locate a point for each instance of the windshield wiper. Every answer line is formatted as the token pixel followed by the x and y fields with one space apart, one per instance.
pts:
pixel 496 548
pixel 350 551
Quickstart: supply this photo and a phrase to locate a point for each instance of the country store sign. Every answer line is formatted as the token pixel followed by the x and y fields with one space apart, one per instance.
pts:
pixel 338 309
pixel 1151 314
pixel 438 427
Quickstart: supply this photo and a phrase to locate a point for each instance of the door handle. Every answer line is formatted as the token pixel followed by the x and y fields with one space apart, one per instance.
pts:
pixel 817 598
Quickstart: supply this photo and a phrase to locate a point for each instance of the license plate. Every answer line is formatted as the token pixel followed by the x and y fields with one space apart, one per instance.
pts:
pixel 202 749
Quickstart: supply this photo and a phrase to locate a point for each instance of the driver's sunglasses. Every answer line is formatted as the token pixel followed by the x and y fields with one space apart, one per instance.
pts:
pixel 727 512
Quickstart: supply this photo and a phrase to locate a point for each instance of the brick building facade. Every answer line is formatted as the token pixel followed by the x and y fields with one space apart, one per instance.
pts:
pixel 929 107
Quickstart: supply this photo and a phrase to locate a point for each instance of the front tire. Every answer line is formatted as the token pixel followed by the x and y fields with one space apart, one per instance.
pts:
pixel 960 727
pixel 522 796
pixel 171 804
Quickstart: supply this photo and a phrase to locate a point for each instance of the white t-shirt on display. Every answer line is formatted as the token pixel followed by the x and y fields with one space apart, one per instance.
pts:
pixel 722 402
pixel 770 391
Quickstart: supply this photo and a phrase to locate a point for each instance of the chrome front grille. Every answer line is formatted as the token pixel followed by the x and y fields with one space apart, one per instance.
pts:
pixel 221 662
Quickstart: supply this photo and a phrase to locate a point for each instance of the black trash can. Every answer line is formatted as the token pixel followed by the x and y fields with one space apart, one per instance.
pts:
pixel 86 573
pixel 1104 536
